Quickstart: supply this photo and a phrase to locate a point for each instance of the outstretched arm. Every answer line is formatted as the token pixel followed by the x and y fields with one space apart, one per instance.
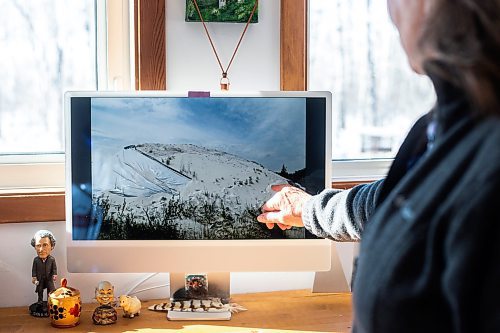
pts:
pixel 335 214
pixel 341 214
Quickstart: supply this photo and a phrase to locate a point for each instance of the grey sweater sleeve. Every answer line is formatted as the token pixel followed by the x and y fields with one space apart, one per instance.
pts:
pixel 341 214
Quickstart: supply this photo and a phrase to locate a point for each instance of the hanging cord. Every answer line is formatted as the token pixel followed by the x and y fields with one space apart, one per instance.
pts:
pixel 224 72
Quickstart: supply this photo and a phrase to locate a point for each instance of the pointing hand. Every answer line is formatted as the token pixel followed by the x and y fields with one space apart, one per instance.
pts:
pixel 284 208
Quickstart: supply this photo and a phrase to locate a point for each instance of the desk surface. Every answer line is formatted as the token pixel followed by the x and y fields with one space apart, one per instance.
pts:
pixel 283 311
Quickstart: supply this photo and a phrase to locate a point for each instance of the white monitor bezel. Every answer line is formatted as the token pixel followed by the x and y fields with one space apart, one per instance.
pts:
pixel 194 255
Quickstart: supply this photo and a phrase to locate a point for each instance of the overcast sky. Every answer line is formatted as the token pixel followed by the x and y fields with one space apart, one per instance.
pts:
pixel 270 131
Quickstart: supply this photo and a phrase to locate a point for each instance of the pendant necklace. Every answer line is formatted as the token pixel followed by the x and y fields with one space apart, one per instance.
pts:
pixel 224 81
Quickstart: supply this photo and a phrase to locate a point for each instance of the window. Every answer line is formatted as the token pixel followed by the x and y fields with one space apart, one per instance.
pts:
pixel 92 46
pixel 354 52
pixel 53 46
pixel 48 47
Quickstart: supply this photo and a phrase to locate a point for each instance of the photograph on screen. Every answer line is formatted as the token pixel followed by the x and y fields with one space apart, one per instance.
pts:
pixel 193 168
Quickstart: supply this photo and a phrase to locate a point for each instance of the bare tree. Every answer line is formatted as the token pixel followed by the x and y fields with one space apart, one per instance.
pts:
pixel 373 101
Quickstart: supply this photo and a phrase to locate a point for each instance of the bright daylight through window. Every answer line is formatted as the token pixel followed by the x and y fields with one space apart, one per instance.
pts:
pixel 48 47
pixel 354 52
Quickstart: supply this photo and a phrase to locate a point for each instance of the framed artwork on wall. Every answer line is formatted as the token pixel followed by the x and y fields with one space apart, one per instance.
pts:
pixel 234 11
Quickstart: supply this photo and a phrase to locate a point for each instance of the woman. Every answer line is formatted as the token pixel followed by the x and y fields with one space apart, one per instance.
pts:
pixel 430 254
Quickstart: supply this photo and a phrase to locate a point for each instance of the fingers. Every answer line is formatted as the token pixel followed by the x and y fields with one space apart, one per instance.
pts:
pixel 279 209
pixel 269 225
pixel 284 226
pixel 279 187
pixel 281 226
pixel 273 204
pixel 271 217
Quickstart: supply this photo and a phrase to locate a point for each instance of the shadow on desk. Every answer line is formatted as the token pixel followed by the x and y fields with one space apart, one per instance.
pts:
pixel 282 311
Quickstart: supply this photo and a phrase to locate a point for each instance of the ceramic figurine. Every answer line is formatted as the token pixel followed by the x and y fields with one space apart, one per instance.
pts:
pixel 65 306
pixel 131 306
pixel 105 313
pixel 44 271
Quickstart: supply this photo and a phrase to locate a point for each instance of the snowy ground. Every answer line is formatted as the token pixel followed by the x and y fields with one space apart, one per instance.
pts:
pixel 155 181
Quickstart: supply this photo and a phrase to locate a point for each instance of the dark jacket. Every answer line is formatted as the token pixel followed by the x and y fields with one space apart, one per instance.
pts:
pixel 44 272
pixel 430 250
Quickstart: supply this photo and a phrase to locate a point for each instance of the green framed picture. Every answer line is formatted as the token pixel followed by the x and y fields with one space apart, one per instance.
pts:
pixel 235 11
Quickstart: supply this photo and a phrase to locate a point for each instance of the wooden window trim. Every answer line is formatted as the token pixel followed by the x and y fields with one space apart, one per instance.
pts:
pixel 293 48
pixel 150 40
pixel 31 207
pixel 150 51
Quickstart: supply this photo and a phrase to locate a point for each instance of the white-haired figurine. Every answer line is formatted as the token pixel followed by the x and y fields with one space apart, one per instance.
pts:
pixel 44 271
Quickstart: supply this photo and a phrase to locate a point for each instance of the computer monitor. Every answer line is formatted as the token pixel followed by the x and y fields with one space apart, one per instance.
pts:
pixel 168 182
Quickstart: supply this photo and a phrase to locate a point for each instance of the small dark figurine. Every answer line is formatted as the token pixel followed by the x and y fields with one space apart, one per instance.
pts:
pixel 44 271
pixel 105 313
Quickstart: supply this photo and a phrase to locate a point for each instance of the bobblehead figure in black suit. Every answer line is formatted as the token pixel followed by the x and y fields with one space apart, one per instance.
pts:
pixel 44 271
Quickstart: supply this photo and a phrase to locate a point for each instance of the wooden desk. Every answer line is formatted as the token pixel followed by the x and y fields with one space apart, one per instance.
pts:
pixel 283 311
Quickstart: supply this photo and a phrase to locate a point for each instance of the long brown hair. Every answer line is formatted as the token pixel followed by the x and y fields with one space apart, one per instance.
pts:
pixel 462 38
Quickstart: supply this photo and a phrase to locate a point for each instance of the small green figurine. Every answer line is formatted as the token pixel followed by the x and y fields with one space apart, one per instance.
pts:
pixel 44 271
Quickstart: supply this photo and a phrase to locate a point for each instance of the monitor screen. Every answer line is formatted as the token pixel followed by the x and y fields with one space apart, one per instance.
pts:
pixel 166 171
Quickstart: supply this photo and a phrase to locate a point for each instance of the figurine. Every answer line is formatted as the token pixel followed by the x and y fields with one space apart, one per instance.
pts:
pixel 65 306
pixel 131 306
pixel 105 313
pixel 44 271
pixel 196 286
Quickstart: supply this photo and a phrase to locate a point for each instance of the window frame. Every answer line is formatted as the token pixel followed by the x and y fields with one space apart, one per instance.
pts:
pixel 294 76
pixel 34 192
pixel 32 186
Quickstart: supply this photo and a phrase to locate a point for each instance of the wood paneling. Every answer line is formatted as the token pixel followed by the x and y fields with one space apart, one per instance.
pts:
pixel 150 39
pixel 33 207
pixel 293 54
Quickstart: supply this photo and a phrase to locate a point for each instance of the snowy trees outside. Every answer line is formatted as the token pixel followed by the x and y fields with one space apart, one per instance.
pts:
pixel 47 47
pixel 355 53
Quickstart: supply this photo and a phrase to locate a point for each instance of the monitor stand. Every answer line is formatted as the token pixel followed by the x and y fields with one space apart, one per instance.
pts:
pixel 197 296
pixel 339 278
